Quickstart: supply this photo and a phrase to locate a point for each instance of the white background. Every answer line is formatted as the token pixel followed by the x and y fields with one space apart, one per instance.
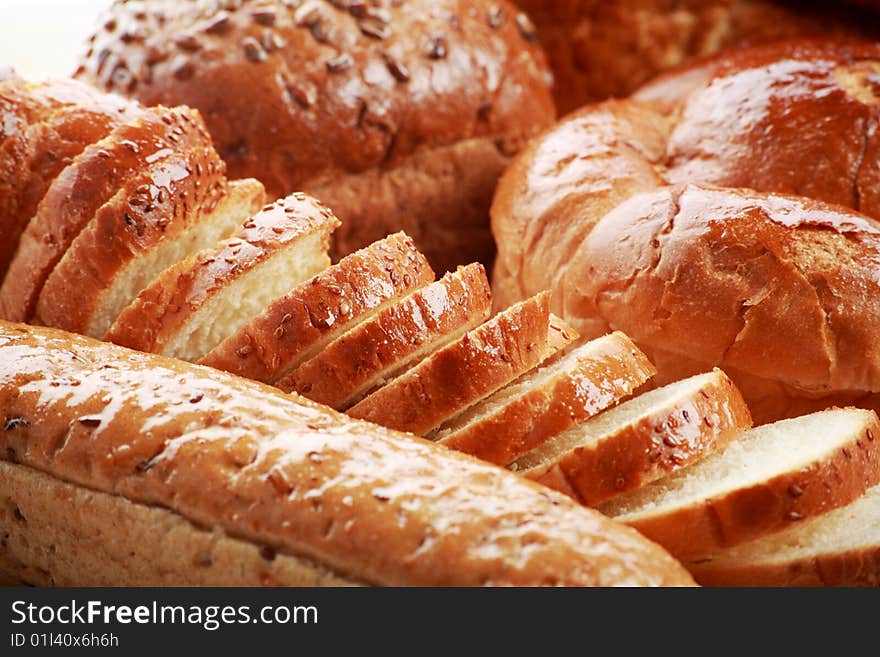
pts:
pixel 43 38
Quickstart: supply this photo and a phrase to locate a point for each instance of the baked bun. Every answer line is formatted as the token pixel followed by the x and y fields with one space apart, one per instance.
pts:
pixel 601 49
pixel 724 216
pixel 398 116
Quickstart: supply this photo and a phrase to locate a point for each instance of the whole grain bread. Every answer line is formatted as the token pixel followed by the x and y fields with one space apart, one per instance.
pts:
pixel 382 98
pixel 196 449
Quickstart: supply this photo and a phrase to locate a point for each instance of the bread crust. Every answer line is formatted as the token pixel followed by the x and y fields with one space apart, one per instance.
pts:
pixel 320 91
pixel 163 309
pixel 74 197
pixel 294 476
pixel 653 446
pixel 273 343
pixel 156 205
pixel 463 373
pixel 592 384
pixel 792 557
pixel 762 299
pixel 354 363
pixel 60 120
pixel 57 534
pixel 599 49
pixel 712 524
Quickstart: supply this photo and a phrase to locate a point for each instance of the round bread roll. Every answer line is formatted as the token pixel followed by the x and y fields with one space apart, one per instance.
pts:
pixel 400 116
pixel 600 49
pixel 726 215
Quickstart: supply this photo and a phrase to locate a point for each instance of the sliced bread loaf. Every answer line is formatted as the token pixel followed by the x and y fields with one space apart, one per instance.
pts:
pixel 838 548
pixel 62 118
pixel 364 358
pixel 464 372
pixel 768 479
pixel 202 300
pixel 176 208
pixel 300 324
pixel 570 389
pixel 641 440
pixel 74 197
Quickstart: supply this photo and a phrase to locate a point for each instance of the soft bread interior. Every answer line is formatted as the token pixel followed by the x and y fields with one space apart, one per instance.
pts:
pixel 757 456
pixel 593 430
pixel 244 197
pixel 557 367
pixel 855 527
pixel 225 312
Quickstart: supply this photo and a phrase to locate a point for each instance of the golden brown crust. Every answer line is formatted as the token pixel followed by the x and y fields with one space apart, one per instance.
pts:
pixel 162 309
pixel 683 431
pixel 302 95
pixel 463 373
pixel 52 123
pixel 74 197
pixel 294 476
pixel 60 534
pixel 762 295
pixel 351 365
pixel 274 342
pixel 156 205
pixel 745 513
pixel 593 383
pixel 599 49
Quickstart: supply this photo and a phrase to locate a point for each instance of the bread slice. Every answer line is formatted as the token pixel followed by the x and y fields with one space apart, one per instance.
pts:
pixel 364 358
pixel 63 118
pixel 174 210
pixel 570 389
pixel 838 548
pixel 464 372
pixel 769 479
pixel 75 196
pixel 641 440
pixel 202 300
pixel 296 327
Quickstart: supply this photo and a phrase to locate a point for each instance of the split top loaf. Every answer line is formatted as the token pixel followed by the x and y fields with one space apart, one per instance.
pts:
pixel 400 116
pixel 725 215
pixel 371 505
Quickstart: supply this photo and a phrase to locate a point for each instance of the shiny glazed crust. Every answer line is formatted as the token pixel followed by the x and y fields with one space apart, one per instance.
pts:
pixel 76 195
pixel 681 432
pixel 45 126
pixel 595 382
pixel 154 207
pixel 463 373
pixel 302 95
pixel 268 346
pixel 294 476
pixel 349 365
pixel 162 310
pixel 755 277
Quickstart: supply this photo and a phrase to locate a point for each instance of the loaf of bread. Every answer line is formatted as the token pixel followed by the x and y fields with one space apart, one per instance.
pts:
pixel 724 216
pixel 599 49
pixel 399 116
pixel 220 480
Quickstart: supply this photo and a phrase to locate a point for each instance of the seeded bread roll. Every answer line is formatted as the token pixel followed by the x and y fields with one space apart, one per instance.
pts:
pixel 600 49
pixel 400 116
pixel 726 215
pixel 171 451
